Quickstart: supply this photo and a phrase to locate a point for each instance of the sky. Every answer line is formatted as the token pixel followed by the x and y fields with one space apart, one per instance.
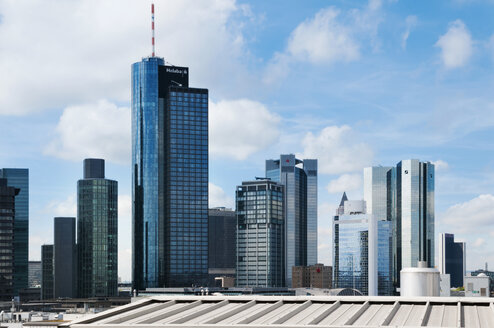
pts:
pixel 351 83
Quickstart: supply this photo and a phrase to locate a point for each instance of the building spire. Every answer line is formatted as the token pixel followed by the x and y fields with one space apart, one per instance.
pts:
pixel 152 27
pixel 343 199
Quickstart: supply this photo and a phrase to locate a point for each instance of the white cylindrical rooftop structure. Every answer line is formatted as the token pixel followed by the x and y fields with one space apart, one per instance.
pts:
pixel 421 281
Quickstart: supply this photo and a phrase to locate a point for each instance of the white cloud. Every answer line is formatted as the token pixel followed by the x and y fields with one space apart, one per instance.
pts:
pixel 93 130
pixel 125 264
pixel 337 150
pixel 324 248
pixel 81 50
pixel 239 128
pixel 456 45
pixel 410 22
pixel 218 197
pixel 478 212
pixel 323 40
pixel 479 242
pixel 345 182
pixel 35 243
pixel 125 237
pixel 440 165
pixel 329 37
pixel 66 207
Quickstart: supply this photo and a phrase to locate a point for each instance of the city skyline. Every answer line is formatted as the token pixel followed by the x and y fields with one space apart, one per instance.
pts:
pixel 393 89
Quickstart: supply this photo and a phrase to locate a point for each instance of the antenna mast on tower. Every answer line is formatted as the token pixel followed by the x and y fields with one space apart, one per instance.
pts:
pixel 152 26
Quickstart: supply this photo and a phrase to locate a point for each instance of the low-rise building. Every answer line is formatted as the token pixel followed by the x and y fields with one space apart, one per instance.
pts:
pixel 313 276
pixel 477 286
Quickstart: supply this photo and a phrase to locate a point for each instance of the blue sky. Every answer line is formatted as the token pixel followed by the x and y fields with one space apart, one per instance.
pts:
pixel 352 83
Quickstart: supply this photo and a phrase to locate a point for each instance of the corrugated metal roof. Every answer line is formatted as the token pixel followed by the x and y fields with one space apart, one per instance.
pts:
pixel 303 311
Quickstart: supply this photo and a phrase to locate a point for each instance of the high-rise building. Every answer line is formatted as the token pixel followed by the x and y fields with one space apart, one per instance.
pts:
pixel 404 196
pixel 170 177
pixel 222 243
pixel 34 274
pixel 19 178
pixel 260 234
pixel 97 232
pixel 7 214
pixel 64 258
pixel 378 195
pixel 355 248
pixel 452 258
pixel 47 272
pixel 300 209
pixel 415 213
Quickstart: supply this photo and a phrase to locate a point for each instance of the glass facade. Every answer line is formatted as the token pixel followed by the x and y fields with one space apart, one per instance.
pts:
pixel 7 213
pixel 404 195
pixel 452 259
pixel 299 178
pixel 19 178
pixel 384 258
pixel 260 234
pixel 64 258
pixel 97 235
pixel 351 252
pixel 170 177
pixel 415 181
pixel 377 194
pixel 34 274
pixel 222 244
pixel 47 272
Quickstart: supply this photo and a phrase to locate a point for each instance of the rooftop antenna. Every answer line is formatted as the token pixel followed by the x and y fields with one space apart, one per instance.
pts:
pixel 152 26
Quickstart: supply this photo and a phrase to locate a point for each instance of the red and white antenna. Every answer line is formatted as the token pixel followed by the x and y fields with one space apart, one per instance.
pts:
pixel 152 26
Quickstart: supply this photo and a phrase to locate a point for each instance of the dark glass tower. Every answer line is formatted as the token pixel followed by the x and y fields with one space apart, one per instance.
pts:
pixel 19 178
pixel 221 243
pixel 97 232
pixel 64 258
pixel 300 200
pixel 452 257
pixel 7 211
pixel 170 177
pixel 47 272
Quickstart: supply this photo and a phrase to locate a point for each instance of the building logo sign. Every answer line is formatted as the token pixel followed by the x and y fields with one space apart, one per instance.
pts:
pixel 176 70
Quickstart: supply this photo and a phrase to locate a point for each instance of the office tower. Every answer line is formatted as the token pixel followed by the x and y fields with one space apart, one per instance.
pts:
pixel 170 177
pixel 314 276
pixel 97 232
pixel 415 212
pixel 260 234
pixel 64 258
pixel 300 180
pixel 7 213
pixel 452 258
pixel 404 196
pixel 378 195
pixel 47 272
pixel 222 243
pixel 19 178
pixel 34 279
pixel 355 248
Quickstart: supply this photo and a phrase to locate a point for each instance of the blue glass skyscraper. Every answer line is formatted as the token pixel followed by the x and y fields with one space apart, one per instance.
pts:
pixel 299 178
pixel 355 248
pixel 170 177
pixel 404 196
pixel 378 195
pixel 19 178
